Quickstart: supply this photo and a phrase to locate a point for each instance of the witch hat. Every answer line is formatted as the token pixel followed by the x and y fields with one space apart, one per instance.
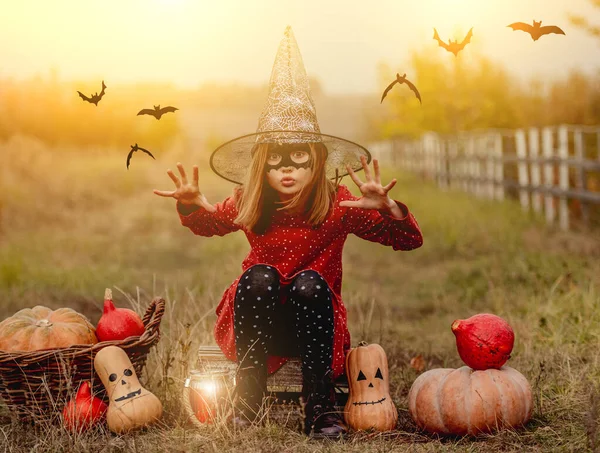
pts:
pixel 289 116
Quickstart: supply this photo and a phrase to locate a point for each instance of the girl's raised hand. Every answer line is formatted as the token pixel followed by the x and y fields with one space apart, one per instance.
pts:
pixel 185 192
pixel 374 195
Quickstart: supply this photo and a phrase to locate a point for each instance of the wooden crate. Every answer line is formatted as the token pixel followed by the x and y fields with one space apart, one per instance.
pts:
pixel 285 384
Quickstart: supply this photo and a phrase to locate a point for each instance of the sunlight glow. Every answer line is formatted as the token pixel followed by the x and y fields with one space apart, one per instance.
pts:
pixel 453 18
pixel 191 42
pixel 170 2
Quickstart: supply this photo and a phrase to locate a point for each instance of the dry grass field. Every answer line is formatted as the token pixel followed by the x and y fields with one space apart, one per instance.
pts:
pixel 75 221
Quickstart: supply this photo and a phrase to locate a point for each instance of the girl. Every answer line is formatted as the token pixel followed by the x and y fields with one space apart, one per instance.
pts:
pixel 287 302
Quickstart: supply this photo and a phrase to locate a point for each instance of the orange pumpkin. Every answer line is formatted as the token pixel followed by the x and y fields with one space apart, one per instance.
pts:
pixel 369 404
pixel 32 329
pixel 463 401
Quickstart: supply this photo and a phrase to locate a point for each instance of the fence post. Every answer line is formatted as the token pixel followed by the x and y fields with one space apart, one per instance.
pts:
pixel 442 168
pixel 423 149
pixel 428 155
pixel 534 153
pixel 548 148
pixel 481 164
pixel 469 173
pixel 464 169
pixel 400 157
pixel 403 154
pixel 477 152
pixel 499 170
pixel 456 163
pixel 521 144
pixel 412 156
pixel 420 157
pixel 581 182
pixel 563 176
pixel 452 154
pixel 489 166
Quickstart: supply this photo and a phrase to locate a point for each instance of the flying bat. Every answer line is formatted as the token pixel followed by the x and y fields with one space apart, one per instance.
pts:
pixel 536 30
pixel 400 80
pixel 453 46
pixel 157 112
pixel 135 148
pixel 95 97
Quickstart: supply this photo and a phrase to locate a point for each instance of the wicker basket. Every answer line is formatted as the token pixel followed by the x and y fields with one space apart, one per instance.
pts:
pixel 36 385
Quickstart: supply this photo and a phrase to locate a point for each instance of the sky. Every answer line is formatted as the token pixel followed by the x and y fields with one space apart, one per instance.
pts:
pixel 192 42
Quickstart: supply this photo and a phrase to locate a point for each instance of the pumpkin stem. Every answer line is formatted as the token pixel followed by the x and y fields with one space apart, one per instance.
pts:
pixel 363 343
pixel 84 391
pixel 108 302
pixel 108 306
pixel 43 323
pixel 455 325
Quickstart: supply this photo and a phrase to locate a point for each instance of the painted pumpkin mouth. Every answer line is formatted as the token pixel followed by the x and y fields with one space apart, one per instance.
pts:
pixel 361 403
pixel 129 395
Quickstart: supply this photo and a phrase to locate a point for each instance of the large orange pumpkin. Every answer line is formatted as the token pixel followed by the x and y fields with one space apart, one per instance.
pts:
pixel 32 329
pixel 369 404
pixel 463 401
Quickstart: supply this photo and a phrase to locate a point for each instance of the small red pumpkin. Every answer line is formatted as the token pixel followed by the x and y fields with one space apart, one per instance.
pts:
pixel 83 411
pixel 483 341
pixel 117 323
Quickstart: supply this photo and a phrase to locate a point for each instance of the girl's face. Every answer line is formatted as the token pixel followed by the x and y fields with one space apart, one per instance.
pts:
pixel 288 169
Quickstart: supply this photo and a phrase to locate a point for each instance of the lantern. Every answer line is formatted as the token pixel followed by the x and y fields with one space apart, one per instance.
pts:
pixel 208 394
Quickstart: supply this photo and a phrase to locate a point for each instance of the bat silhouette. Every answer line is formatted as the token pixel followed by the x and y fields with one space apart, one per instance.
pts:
pixel 95 97
pixel 453 46
pixel 400 80
pixel 157 112
pixel 135 148
pixel 536 30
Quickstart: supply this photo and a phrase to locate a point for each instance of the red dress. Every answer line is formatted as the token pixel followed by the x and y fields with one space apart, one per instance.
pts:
pixel 291 245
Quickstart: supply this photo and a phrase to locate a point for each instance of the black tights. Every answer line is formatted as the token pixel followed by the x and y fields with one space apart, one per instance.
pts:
pixel 303 326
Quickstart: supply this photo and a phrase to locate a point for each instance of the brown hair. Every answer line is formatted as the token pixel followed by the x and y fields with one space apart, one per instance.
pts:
pixel 257 201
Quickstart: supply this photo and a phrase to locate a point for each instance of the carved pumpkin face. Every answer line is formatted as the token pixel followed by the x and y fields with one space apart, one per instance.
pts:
pixel 369 403
pixel 367 375
pixel 131 406
pixel 124 385
pixel 373 386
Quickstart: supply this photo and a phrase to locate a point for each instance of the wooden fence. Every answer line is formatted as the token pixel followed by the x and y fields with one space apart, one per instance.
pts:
pixel 554 170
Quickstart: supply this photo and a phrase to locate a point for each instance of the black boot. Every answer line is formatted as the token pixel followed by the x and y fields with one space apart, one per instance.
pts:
pixel 322 420
pixel 251 387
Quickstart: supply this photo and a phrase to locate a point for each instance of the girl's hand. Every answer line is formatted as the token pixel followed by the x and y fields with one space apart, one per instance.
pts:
pixel 374 195
pixel 185 192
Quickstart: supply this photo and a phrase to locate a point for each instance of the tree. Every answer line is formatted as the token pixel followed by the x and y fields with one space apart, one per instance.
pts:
pixel 458 94
pixel 582 22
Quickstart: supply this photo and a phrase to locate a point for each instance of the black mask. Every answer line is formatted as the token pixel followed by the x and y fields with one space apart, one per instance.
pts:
pixel 287 160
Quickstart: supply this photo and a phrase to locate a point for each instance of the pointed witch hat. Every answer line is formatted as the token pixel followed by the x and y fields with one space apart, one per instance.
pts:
pixel 288 117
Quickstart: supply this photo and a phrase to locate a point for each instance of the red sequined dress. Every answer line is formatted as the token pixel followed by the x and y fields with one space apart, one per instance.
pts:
pixel 291 246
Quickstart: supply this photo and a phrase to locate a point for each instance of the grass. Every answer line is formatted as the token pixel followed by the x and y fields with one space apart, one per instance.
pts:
pixel 73 223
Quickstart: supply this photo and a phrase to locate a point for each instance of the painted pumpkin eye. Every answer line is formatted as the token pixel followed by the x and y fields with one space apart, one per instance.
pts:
pixel 128 372
pixel 361 376
pixel 112 377
pixel 378 374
